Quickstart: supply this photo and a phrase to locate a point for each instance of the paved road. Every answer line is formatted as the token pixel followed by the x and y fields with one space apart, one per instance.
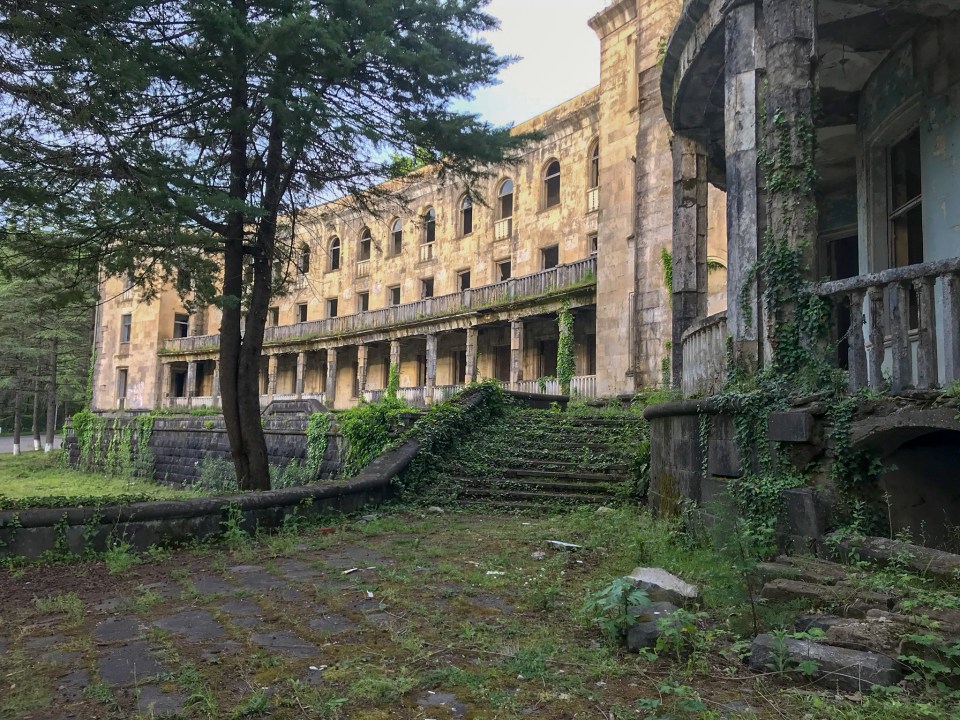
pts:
pixel 26 443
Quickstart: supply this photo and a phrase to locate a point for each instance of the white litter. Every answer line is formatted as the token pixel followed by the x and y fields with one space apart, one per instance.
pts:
pixel 495 572
pixel 564 545
pixel 350 571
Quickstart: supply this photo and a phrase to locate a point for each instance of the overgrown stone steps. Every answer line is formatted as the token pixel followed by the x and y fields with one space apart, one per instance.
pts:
pixel 607 467
pixel 536 497
pixel 569 486
pixel 527 474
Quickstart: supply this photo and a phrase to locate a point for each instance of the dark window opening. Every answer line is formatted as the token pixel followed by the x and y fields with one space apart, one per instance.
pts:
pixel 547 357
pixel 335 254
pixel 273 317
pixel 503 270
pixel 460 367
pixel 430 226
pixel 126 328
pixel 394 295
pixel 466 216
pixel 363 302
pixel 396 238
pixel 302 312
pixel 551 185
pixel 363 252
pixel 332 308
pixel 426 288
pixel 595 167
pixel 550 257
pixel 463 280
pixel 594 245
pixel 906 210
pixel 506 200
pixel 304 265
pixel 121 387
pixel 181 325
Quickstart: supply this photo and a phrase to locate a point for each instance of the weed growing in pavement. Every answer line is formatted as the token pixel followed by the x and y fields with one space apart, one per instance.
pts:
pixel 67 603
pixel 609 608
pixel 120 557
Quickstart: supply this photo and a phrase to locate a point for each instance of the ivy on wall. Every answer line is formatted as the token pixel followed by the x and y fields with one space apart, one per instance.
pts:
pixel 317 428
pixel 566 364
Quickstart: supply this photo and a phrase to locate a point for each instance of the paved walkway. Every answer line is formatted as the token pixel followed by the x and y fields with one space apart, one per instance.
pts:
pixel 26 443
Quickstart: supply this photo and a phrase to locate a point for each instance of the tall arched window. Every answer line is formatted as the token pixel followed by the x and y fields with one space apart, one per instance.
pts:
pixel 593 171
pixel 396 237
pixel 303 264
pixel 551 185
pixel 335 253
pixel 466 215
pixel 430 225
pixel 363 250
pixel 505 198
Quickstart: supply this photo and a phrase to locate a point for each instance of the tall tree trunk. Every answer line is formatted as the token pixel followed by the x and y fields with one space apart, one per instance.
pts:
pixel 52 396
pixel 35 425
pixel 17 400
pixel 239 391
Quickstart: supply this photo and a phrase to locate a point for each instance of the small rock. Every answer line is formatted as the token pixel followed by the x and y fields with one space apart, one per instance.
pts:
pixel 737 707
pixel 368 518
pixel 604 510
pixel 646 630
pixel 435 509
pixel 851 670
pixel 662 586
pixel 538 555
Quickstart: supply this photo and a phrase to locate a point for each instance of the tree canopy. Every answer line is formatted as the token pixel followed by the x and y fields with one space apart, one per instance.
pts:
pixel 153 137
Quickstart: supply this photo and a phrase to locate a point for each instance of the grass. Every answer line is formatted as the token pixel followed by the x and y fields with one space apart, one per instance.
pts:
pixel 40 477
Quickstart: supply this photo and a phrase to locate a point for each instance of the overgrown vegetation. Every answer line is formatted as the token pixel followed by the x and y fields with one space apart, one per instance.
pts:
pixel 566 362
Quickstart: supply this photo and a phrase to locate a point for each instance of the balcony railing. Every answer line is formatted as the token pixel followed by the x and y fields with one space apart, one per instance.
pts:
pixel 502 229
pixel 580 386
pixel 905 343
pixel 363 268
pixel 426 252
pixel 573 274
pixel 593 199
pixel 705 356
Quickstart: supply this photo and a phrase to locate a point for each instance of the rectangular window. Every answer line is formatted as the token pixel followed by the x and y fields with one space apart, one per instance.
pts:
pixel 332 308
pixel 550 257
pixel 426 288
pixel 127 282
pixel 181 325
pixel 906 210
pixel 302 312
pixel 503 270
pixel 126 325
pixel 273 317
pixel 463 280
pixel 594 244
pixel 363 302
pixel 121 387
pixel 393 295
pixel 460 367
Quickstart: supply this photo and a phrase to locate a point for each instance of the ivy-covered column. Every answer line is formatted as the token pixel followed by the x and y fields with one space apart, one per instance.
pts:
pixel 516 353
pixel 191 381
pixel 744 220
pixel 164 394
pixel 431 380
pixel 301 370
pixel 363 357
pixel 471 362
pixel 331 388
pixel 689 260
pixel 395 354
pixel 272 362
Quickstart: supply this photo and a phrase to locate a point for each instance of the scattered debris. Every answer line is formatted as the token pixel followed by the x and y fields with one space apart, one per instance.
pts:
pixel 539 555
pixel 926 561
pixel 662 586
pixel 495 572
pixel 649 625
pixel 564 545
pixel 436 509
pixel 350 571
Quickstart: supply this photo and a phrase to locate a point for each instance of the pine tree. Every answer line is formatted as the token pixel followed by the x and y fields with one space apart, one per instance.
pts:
pixel 187 134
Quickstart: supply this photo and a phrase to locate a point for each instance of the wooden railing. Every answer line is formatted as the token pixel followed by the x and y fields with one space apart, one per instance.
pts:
pixel 898 310
pixel 576 273
pixel 704 356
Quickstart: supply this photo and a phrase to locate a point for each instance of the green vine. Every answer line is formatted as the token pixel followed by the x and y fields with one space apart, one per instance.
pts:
pixel 666 262
pixel 317 429
pixel 368 429
pixel 566 364
pixel 393 382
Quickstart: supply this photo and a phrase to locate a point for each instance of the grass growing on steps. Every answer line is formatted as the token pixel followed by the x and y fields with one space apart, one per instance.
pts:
pixel 45 479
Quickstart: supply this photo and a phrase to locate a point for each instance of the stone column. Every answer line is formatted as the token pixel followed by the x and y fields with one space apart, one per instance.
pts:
pixel 363 356
pixel 331 377
pixel 216 383
pixel 471 369
pixel 272 362
pixel 689 241
pixel 395 354
pixel 516 353
pixel 191 388
pixel 431 368
pixel 165 385
pixel 301 370
pixel 744 221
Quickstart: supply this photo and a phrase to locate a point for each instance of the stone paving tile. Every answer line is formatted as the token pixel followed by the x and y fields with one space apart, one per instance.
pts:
pixel 129 664
pixel 117 629
pixel 70 686
pixel 36 644
pixel 57 657
pixel 212 585
pixel 154 702
pixel 110 605
pixel 298 571
pixel 285 643
pixel 165 590
pixel 257 579
pixel 441 700
pixel 332 624
pixel 193 625
pixel 3 646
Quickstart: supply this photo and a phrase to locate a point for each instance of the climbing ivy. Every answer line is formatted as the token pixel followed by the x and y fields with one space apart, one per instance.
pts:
pixel 393 382
pixel 317 428
pixel 666 262
pixel 566 365
pixel 118 447
pixel 368 430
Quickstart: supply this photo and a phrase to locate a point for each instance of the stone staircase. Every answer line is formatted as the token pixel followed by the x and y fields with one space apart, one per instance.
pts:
pixel 544 459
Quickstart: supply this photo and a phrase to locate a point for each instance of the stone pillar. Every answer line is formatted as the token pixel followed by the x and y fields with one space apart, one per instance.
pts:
pixel 363 356
pixel 191 388
pixel 689 241
pixel 744 221
pixel 516 353
pixel 331 377
pixel 216 383
pixel 301 370
pixel 471 369
pixel 431 369
pixel 165 385
pixel 395 354
pixel 272 362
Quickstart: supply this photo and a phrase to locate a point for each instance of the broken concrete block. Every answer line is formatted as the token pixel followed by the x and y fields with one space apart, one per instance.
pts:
pixel 845 669
pixel 926 561
pixel 647 628
pixel 662 586
pixel 784 590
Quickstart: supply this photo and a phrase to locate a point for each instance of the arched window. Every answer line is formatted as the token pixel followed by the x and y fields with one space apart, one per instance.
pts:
pixel 363 251
pixel 335 253
pixel 466 215
pixel 593 171
pixel 303 264
pixel 429 226
pixel 396 237
pixel 505 197
pixel 551 185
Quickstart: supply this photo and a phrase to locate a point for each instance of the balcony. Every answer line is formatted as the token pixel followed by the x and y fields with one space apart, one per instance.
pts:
pixel 363 268
pixel 593 199
pixel 426 252
pixel 581 273
pixel 503 229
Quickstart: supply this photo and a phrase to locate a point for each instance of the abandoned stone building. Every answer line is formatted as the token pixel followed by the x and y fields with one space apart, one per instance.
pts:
pixel 451 288
pixel 835 125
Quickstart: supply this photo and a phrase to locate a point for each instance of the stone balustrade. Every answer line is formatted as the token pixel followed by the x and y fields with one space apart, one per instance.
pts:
pixel 903 329
pixel 705 356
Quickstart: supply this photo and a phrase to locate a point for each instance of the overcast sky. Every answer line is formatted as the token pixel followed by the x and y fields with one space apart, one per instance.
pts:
pixel 560 57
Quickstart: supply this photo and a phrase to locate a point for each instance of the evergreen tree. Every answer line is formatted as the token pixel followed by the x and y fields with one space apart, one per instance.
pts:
pixel 156 136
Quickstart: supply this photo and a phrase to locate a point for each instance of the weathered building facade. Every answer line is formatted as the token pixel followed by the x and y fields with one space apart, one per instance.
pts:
pixel 448 288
